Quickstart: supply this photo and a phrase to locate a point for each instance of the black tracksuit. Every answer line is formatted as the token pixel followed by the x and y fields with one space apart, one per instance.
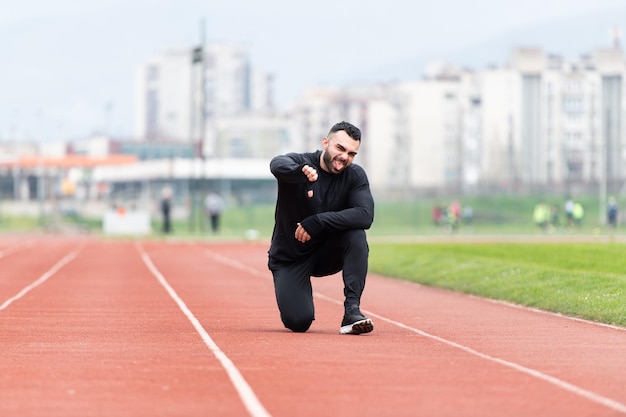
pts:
pixel 335 217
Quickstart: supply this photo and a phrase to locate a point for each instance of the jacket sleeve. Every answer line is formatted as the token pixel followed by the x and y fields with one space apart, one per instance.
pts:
pixel 288 168
pixel 359 213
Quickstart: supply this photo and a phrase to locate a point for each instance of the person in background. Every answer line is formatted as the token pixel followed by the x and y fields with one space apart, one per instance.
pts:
pixel 454 215
pixel 555 222
pixel 323 207
pixel 437 215
pixel 612 211
pixel 577 214
pixel 213 207
pixel 468 214
pixel 541 216
pixel 569 212
pixel 166 209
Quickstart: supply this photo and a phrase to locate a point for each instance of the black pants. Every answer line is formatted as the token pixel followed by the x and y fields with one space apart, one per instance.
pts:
pixel 167 222
pixel 215 222
pixel 346 251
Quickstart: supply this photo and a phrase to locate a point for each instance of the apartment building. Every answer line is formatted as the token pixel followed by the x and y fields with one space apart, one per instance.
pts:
pixel 537 122
pixel 367 106
pixel 413 133
pixel 181 88
pixel 163 96
pixel 567 128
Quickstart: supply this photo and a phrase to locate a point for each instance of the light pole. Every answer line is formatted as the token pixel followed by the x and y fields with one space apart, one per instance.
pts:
pixel 197 125
pixel 604 167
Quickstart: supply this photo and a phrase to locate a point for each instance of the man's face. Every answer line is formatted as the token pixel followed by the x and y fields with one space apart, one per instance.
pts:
pixel 338 152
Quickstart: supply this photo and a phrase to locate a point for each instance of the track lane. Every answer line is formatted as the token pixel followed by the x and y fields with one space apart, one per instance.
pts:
pixel 587 355
pixel 247 395
pixel 363 372
pixel 25 261
pixel 102 338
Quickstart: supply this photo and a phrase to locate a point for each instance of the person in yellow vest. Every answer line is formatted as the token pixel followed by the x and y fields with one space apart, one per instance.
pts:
pixel 541 216
pixel 578 213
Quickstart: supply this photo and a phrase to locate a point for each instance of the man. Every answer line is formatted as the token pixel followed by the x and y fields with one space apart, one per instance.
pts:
pixel 323 207
pixel 213 207
pixel 166 209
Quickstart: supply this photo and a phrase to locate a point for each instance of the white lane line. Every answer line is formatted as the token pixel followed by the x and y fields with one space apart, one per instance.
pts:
pixel 549 313
pixel 607 402
pixel 69 257
pixel 247 395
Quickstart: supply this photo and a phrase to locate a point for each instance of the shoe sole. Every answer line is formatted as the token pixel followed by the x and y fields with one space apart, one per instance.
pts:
pixel 358 327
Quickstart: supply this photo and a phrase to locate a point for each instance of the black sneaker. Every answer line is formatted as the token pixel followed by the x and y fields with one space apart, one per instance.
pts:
pixel 356 324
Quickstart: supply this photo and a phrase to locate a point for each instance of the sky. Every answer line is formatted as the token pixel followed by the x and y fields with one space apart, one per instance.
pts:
pixel 67 67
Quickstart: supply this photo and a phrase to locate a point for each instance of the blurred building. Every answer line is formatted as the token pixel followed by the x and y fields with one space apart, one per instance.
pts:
pixel 416 135
pixel 206 119
pixel 536 123
pixel 563 128
pixel 182 88
pixel 163 96
pixel 250 136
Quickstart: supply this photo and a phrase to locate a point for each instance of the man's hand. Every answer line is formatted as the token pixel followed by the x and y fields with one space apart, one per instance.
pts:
pixel 310 172
pixel 301 234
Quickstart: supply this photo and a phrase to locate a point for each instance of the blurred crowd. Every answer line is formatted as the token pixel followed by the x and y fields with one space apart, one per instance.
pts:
pixel 548 217
pixel 452 216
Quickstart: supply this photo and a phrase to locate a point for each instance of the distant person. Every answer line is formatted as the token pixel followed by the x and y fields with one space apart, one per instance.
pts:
pixel 554 216
pixel 323 207
pixel 444 217
pixel 612 212
pixel 166 209
pixel 569 212
pixel 213 207
pixel 541 216
pixel 577 214
pixel 468 214
pixel 454 215
pixel 437 214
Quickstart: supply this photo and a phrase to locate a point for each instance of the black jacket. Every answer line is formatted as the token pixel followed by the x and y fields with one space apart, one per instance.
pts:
pixel 340 202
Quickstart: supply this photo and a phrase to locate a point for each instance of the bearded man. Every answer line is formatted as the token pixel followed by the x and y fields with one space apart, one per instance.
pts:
pixel 323 207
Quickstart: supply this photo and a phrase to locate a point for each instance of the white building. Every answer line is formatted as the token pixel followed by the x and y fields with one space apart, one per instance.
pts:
pixel 537 122
pixel 251 136
pixel 162 96
pixel 412 132
pixel 367 107
pixel 176 91
pixel 565 119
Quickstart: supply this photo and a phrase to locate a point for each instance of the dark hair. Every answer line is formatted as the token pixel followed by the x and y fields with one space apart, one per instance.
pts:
pixel 350 129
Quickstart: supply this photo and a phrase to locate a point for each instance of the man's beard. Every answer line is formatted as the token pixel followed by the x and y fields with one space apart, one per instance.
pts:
pixel 328 161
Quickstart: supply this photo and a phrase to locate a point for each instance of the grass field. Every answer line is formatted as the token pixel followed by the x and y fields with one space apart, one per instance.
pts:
pixel 492 215
pixel 585 280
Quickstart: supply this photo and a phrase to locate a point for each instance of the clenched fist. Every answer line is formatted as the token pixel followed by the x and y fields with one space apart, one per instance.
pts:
pixel 310 172
pixel 301 234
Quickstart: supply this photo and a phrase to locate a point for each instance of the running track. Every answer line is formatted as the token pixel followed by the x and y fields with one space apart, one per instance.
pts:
pixel 93 327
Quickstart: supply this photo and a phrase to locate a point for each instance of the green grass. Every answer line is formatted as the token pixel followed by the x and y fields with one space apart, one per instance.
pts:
pixel 492 215
pixel 18 223
pixel 233 225
pixel 581 280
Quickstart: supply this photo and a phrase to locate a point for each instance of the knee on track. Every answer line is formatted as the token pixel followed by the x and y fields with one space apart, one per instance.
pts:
pixel 298 325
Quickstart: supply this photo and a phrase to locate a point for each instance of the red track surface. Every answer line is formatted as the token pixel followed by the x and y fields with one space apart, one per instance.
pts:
pixel 129 328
